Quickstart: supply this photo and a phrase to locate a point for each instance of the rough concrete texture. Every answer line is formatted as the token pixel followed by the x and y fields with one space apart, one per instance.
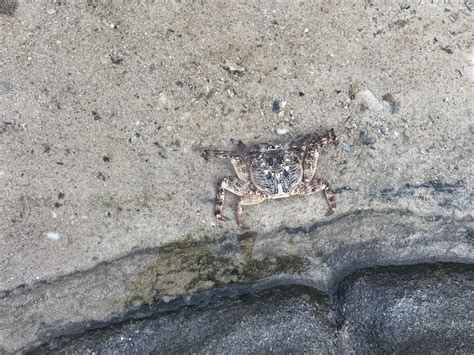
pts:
pixel 189 272
pixel 279 320
pixel 416 310
pixel 105 107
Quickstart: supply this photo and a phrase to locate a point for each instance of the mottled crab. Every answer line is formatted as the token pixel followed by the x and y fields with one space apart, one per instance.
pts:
pixel 272 171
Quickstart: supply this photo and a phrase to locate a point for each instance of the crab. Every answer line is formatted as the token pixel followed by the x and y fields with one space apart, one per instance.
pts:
pixel 273 171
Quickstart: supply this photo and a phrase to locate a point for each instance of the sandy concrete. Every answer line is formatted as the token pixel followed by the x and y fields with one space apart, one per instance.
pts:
pixel 106 105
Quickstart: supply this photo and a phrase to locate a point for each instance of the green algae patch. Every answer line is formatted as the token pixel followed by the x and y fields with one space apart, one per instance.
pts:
pixel 189 266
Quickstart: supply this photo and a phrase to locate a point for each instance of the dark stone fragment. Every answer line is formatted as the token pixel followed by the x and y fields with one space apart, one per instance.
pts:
pixel 116 60
pixel 276 106
pixel 417 309
pixel 368 141
pixel 447 50
pixel 96 116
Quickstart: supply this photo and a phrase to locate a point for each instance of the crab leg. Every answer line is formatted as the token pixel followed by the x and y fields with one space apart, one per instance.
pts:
pixel 230 184
pixel 208 153
pixel 321 185
pixel 312 154
pixel 238 163
pixel 246 200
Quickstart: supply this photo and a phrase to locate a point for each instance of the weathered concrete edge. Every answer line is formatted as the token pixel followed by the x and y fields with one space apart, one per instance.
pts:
pixel 232 291
pixel 139 259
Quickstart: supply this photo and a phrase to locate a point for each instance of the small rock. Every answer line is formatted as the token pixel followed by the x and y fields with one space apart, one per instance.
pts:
pixel 281 131
pixel 53 236
pixel 394 104
pixel 368 141
pixel 51 10
pixel 346 147
pixel 278 105
pixel 372 102
pixel 233 68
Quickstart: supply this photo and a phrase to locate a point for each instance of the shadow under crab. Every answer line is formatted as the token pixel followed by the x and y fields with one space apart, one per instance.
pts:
pixel 272 171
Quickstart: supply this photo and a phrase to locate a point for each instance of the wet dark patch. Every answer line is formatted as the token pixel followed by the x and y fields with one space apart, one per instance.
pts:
pixel 400 23
pixel 8 7
pixel 116 60
pixel 6 86
pixel 96 116
pixel 438 185
pixel 446 49
pixel 188 266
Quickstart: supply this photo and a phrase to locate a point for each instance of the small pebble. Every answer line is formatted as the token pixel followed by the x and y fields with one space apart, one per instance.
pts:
pixel 346 147
pixel 278 105
pixel 281 131
pixel 51 10
pixel 368 141
pixel 372 102
pixel 53 236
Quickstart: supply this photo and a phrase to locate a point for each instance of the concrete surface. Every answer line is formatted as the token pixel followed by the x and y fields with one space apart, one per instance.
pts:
pixel 105 107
